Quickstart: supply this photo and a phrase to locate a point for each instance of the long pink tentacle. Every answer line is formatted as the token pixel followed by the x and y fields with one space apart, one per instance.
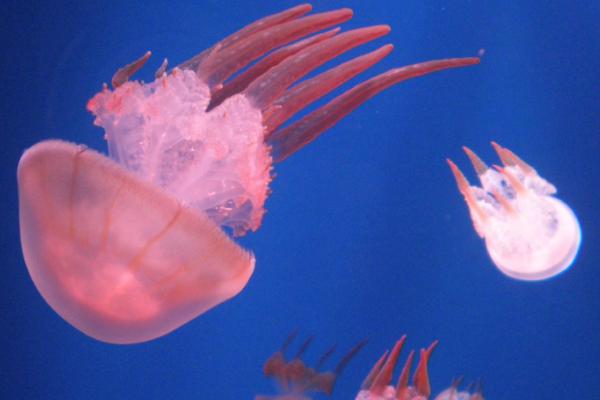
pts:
pixel 241 81
pixel 221 63
pixel 290 139
pixel 269 86
pixel 256 26
pixel 306 92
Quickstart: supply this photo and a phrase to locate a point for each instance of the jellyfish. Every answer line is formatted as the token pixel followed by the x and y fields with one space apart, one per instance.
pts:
pixel 529 233
pixel 377 384
pixel 129 247
pixel 296 379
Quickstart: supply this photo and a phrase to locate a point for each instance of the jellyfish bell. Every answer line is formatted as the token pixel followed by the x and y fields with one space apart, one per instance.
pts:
pixel 129 247
pixel 529 233
pixel 117 257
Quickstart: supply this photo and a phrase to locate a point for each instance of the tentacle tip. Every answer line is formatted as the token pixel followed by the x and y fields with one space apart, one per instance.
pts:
pixel 451 164
pixel 304 7
pixel 387 48
pixel 385 29
pixel 346 12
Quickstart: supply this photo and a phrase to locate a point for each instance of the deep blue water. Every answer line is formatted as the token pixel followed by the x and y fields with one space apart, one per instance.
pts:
pixel 366 234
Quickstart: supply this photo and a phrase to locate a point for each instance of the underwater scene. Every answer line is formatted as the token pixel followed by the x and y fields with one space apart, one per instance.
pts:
pixel 277 200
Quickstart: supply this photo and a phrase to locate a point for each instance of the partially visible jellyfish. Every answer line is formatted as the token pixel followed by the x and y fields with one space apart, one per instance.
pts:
pixel 129 248
pixel 453 392
pixel 296 379
pixel 529 233
pixel 377 384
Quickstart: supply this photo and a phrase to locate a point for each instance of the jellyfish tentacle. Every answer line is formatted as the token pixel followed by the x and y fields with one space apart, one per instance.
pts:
pixel 256 26
pixel 421 377
pixel 124 73
pixel 221 63
pixel 304 347
pixel 306 92
pixel 368 382
pixel 479 166
pixel 162 69
pixel 290 139
pixel 323 359
pixel 268 87
pixel 402 385
pixel 349 356
pixel 509 158
pixel 505 204
pixel 325 382
pixel 479 215
pixel 512 179
pixel 384 377
pixel 241 81
pixel 289 340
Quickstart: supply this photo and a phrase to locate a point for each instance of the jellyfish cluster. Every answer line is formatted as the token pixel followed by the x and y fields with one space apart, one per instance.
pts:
pixel 130 246
pixel 296 380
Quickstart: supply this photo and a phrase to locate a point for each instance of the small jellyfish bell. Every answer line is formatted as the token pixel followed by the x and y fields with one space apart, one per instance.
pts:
pixel 129 247
pixel 529 233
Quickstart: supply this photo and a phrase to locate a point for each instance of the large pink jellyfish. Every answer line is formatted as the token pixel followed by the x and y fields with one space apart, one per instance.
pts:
pixel 128 248
pixel 297 380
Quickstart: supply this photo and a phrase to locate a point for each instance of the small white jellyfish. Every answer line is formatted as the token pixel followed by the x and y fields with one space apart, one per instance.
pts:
pixel 529 234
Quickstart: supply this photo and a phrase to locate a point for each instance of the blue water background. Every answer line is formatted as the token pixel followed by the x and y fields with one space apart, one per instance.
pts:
pixel 366 234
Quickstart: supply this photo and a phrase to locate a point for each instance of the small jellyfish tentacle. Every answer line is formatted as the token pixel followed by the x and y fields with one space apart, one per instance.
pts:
pixel 504 202
pixel 162 69
pixel 402 385
pixel 349 356
pixel 254 27
pixel 478 214
pixel 384 377
pixel 512 179
pixel 241 81
pixel 323 359
pixel 310 90
pixel 124 73
pixel 305 345
pixel 219 65
pixel 271 85
pixel 325 382
pixel 421 376
pixel 478 164
pixel 368 381
pixel 509 158
pixel 292 138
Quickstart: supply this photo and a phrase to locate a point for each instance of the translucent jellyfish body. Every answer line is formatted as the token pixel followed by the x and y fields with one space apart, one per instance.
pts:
pixel 130 247
pixel 529 233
